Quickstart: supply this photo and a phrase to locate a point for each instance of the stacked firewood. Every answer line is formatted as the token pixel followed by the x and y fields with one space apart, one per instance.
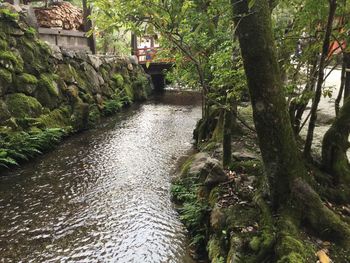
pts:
pixel 60 15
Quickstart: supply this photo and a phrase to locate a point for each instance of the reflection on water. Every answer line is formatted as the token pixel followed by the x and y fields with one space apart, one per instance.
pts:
pixel 103 195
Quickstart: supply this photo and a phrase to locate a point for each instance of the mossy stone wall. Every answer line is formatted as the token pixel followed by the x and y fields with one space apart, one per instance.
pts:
pixel 43 87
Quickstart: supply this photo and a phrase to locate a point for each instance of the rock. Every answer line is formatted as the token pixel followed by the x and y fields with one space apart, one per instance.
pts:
pixel 93 78
pixel 26 83
pixel 133 60
pixel 244 155
pixel 207 168
pixel 73 92
pixel 5 81
pixel 99 100
pixel 12 8
pixel 217 218
pixel 4 112
pixel 82 55
pixel 68 53
pixel 130 67
pixel 21 105
pixel 80 117
pixel 95 61
pixel 56 51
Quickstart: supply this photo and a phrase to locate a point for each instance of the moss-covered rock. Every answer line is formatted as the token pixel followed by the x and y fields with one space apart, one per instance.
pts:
pixel 119 80
pixel 80 116
pixel 4 112
pixel 5 80
pixel 141 88
pixel 47 91
pixel 11 60
pixel 26 83
pixel 22 106
pixel 57 118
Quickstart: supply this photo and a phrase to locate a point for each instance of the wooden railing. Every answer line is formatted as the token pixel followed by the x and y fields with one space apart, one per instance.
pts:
pixel 149 55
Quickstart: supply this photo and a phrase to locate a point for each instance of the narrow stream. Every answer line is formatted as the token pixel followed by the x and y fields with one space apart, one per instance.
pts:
pixel 103 195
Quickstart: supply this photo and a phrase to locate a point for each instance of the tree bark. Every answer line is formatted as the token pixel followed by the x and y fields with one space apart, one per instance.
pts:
pixel 292 196
pixel 276 139
pixel 318 93
pixel 335 145
pixel 229 124
pixel 341 88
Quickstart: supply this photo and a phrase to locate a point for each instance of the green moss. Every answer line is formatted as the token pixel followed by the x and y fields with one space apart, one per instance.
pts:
pixel 58 118
pixel 47 81
pixel 5 75
pixel 104 73
pixel 36 59
pixel 118 79
pixel 8 14
pixel 141 88
pixel 30 32
pixel 214 251
pixel 255 243
pixel 80 117
pixel 21 105
pixel 214 195
pixel 129 91
pixel 186 166
pixel 292 258
pixel 94 115
pixel 28 79
pixel 3 44
pixel 87 97
pixel 253 167
pixel 13 58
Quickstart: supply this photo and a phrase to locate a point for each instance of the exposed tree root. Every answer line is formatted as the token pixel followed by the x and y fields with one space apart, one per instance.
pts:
pixel 321 218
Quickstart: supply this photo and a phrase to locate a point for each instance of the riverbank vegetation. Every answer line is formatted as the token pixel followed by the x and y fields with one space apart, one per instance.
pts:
pixel 289 202
pixel 47 93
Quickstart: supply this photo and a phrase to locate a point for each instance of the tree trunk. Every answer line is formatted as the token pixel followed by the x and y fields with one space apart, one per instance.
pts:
pixel 318 93
pixel 229 125
pixel 347 75
pixel 297 109
pixel 341 88
pixel 276 139
pixel 291 194
pixel 335 145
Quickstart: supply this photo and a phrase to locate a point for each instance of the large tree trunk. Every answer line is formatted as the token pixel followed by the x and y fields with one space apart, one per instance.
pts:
pixel 277 142
pixel 292 197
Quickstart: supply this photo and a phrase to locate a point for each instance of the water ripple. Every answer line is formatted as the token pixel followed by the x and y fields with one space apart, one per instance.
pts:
pixel 102 196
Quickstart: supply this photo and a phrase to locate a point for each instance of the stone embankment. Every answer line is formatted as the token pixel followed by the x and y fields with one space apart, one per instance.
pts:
pixel 46 93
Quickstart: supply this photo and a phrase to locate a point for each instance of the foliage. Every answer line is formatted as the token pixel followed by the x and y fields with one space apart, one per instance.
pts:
pixel 111 107
pixel 20 146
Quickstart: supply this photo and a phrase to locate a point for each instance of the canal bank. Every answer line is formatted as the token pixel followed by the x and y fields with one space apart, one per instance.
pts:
pixel 47 93
pixel 103 195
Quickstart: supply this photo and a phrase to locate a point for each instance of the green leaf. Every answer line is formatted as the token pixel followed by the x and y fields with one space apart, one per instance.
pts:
pixel 251 3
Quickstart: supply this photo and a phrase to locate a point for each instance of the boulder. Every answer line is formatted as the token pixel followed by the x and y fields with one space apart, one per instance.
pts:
pixel 244 155
pixel 22 106
pixel 208 169
pixel 217 218
pixel 95 61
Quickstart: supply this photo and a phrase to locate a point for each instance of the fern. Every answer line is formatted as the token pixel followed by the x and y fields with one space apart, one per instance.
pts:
pixel 21 146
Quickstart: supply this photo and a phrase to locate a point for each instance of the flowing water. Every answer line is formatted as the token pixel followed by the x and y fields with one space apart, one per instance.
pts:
pixel 102 195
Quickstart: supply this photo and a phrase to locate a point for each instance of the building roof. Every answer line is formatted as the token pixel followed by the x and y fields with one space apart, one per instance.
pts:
pixel 60 15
